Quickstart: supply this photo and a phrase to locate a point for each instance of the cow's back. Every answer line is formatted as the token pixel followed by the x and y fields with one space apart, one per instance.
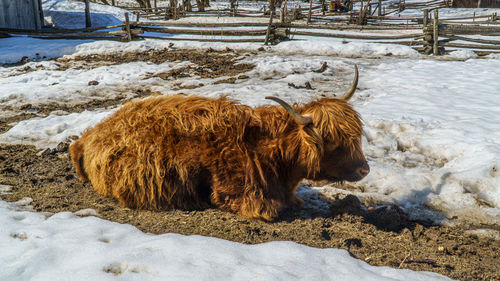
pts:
pixel 149 150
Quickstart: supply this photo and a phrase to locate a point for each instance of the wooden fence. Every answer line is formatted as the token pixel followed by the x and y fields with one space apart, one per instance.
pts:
pixel 423 34
pixel 457 34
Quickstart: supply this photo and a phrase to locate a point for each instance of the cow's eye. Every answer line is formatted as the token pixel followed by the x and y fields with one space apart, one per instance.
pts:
pixel 331 146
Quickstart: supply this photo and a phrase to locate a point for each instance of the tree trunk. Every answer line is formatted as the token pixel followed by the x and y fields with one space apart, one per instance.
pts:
pixel 201 5
pixel 187 6
pixel 87 14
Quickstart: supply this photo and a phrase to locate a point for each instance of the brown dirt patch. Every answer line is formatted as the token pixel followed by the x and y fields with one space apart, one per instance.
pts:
pixel 5 123
pixel 207 63
pixel 382 236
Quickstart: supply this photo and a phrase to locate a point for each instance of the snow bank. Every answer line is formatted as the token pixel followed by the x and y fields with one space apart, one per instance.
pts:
pixel 72 85
pixel 64 246
pixel 51 130
pixel 432 135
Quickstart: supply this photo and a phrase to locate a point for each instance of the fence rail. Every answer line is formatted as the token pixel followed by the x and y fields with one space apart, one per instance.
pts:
pixel 425 35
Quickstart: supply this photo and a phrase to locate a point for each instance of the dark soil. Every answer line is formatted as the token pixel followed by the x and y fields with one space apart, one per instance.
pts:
pixel 380 236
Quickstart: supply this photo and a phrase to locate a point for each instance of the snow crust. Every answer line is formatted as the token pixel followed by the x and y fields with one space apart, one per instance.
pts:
pixel 65 246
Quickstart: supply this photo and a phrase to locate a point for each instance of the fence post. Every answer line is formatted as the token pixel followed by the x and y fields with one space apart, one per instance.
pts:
pixel 435 38
pixel 310 11
pixel 268 31
pixel 87 14
pixel 425 20
pixel 127 28
pixel 379 8
pixel 285 10
pixel 272 7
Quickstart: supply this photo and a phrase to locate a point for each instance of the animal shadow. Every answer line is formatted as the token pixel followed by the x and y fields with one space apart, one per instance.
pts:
pixel 385 217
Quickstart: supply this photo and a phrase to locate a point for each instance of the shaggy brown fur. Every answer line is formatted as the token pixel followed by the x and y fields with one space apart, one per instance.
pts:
pixel 193 152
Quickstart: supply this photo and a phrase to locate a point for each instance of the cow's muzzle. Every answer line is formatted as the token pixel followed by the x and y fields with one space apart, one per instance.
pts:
pixel 360 172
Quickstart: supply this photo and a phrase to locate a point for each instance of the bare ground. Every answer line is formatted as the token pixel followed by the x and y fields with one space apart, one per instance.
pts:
pixel 382 236
pixel 379 235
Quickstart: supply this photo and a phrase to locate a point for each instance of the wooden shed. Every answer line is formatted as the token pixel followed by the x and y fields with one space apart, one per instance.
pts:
pixel 21 14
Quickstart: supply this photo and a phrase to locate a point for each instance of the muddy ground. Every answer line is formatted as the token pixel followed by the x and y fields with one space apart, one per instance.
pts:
pixel 377 235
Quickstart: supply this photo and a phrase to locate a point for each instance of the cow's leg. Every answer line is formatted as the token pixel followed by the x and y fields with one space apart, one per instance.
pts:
pixel 258 207
pixel 295 201
pixel 252 205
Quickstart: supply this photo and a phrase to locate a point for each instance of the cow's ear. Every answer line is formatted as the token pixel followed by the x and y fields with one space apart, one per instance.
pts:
pixel 311 120
pixel 331 146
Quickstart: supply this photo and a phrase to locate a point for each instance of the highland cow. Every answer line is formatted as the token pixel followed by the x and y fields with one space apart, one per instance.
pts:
pixel 192 152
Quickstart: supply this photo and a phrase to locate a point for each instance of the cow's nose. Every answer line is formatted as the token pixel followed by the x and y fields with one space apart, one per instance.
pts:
pixel 363 170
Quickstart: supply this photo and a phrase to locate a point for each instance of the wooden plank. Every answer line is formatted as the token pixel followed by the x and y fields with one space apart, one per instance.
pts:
pixel 181 24
pixel 471 46
pixel 84 35
pixel 475 40
pixel 36 14
pixel 221 32
pixel 40 12
pixel 207 39
pixel 459 29
pixel 354 36
pixel 350 26
pixel 465 18
pixel 28 31
pixel 113 38
pixel 406 43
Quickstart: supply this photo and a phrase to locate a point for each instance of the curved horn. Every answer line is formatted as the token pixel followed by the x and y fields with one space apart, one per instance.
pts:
pixel 299 119
pixel 354 84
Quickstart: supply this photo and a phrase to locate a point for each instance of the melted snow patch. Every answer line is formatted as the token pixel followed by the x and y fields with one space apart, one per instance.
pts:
pixel 5 189
pixel 48 132
pixel 87 212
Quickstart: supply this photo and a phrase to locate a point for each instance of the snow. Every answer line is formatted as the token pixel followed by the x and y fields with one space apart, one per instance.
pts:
pixel 35 247
pixel 445 127
pixel 432 140
pixel 5 189
pixel 52 129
